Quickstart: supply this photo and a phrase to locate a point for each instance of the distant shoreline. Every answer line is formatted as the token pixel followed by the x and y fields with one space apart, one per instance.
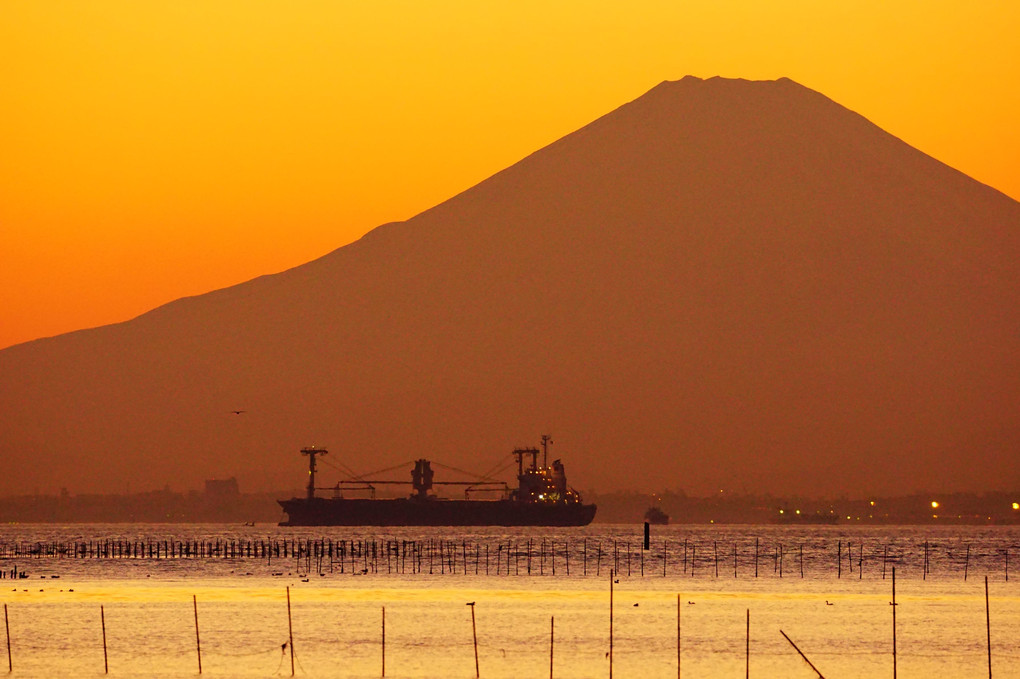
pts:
pixel 982 509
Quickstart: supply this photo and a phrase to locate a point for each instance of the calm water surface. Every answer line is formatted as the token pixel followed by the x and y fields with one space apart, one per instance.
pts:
pixel 840 618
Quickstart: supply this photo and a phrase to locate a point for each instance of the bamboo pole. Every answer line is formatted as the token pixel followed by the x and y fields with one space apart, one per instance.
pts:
pixel 747 647
pixel 988 627
pixel 552 641
pixel 677 636
pixel 290 634
pixel 384 641
pixel 198 642
pixel 802 655
pixel 474 637
pixel 102 620
pixel 612 573
pixel 894 622
pixel 7 626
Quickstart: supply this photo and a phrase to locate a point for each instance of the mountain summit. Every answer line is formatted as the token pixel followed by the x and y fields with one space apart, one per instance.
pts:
pixel 723 284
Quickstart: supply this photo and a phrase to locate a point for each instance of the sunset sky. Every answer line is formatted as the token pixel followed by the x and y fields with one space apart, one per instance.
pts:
pixel 153 150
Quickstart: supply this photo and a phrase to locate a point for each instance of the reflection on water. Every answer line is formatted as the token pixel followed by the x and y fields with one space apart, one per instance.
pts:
pixel 840 618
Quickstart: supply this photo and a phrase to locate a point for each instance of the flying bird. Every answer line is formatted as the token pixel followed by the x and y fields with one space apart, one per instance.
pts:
pixel 238 412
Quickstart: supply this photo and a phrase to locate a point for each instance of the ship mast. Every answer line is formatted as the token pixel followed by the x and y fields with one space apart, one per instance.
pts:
pixel 311 453
pixel 546 440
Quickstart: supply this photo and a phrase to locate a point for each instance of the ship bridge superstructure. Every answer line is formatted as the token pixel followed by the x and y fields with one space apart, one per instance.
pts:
pixel 542 484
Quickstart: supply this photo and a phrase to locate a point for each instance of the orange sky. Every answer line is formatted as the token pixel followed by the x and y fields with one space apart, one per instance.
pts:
pixel 152 150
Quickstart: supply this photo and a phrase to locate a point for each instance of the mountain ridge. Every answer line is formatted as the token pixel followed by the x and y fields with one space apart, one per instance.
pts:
pixel 681 290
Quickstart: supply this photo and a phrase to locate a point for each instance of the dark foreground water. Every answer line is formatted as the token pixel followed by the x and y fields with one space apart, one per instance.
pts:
pixel 832 601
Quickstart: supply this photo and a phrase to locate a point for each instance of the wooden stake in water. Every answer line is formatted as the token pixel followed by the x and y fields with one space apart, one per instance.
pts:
pixel 290 634
pixel 384 641
pixel 611 574
pixel 747 647
pixel 7 626
pixel 988 626
pixel 552 641
pixel 102 620
pixel 802 655
pixel 198 642
pixel 966 564
pixel 894 622
pixel 474 636
pixel 677 636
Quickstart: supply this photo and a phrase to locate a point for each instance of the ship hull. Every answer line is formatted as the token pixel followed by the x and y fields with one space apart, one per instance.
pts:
pixel 411 512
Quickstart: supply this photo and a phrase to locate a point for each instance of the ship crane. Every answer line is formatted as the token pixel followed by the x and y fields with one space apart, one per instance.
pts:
pixel 311 453
pixel 421 481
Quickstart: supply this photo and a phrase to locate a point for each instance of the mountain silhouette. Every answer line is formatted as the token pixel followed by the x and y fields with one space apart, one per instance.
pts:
pixel 722 285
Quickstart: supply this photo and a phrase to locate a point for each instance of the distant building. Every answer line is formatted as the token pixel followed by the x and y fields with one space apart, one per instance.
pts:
pixel 222 487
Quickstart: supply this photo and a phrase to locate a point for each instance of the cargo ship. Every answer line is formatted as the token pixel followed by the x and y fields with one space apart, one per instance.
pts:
pixel 542 498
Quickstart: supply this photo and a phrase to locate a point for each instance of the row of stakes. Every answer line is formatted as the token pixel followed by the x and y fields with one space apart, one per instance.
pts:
pixel 363 556
pixel 552 636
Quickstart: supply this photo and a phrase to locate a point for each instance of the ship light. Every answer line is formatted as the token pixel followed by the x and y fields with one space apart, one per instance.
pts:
pixel 780 511
pixel 1016 506
pixel 872 503
pixel 934 504
pixel 798 511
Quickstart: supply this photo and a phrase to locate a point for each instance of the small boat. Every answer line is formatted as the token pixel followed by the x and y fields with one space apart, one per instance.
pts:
pixel 656 516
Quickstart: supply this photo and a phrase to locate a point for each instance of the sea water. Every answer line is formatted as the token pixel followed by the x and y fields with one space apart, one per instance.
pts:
pixel 711 617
